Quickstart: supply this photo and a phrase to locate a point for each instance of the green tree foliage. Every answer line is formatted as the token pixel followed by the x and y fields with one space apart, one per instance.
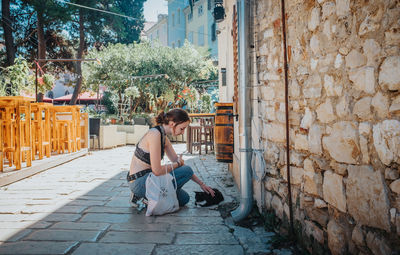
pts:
pixel 125 66
pixel 17 75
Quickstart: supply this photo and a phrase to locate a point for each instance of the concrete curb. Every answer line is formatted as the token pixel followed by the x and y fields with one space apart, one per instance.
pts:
pixel 16 175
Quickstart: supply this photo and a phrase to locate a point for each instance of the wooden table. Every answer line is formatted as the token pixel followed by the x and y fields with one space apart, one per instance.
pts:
pixel 16 122
pixel 41 129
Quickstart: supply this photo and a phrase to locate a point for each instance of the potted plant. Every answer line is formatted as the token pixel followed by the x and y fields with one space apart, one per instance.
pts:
pixel 45 83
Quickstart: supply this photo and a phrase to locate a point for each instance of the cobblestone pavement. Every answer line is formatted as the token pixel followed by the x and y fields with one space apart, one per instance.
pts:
pixel 82 207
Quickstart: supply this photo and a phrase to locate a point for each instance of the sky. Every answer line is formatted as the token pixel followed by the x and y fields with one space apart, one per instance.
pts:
pixel 154 7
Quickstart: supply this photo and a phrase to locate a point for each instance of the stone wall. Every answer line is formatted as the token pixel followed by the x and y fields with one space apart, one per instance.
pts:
pixel 344 83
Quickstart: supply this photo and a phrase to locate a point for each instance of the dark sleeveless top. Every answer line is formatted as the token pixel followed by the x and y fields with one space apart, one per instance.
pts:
pixel 145 156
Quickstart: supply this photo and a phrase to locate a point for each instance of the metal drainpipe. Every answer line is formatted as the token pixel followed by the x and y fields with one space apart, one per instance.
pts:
pixel 246 189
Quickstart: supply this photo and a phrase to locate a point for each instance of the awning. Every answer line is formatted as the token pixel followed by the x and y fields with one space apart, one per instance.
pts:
pixel 45 99
pixel 85 96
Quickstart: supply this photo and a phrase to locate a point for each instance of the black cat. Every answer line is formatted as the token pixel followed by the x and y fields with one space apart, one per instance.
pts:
pixel 203 199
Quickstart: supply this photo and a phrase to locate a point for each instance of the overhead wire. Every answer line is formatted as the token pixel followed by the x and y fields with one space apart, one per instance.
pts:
pixel 99 10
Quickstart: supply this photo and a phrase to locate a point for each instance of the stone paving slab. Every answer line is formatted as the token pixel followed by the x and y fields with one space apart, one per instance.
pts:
pixel 29 247
pixel 114 248
pixel 82 207
pixel 13 234
pixel 206 238
pixel 137 237
pixel 199 249
pixel 183 220
pixel 139 226
pixel 80 226
pixel 63 235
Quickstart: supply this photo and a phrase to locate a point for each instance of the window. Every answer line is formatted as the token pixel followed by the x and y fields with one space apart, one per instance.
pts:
pixel 190 37
pixel 213 32
pixel 200 10
pixel 66 92
pixel 190 16
pixel 223 76
pixel 173 45
pixel 200 36
pixel 50 94
pixel 179 43
pixel 173 19
pixel 178 17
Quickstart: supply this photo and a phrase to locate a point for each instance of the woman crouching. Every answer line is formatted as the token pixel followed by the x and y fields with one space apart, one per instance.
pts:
pixel 150 151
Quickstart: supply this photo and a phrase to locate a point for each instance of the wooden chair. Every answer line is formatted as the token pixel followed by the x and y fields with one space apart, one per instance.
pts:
pixel 207 135
pixel 195 138
pixel 41 129
pixel 16 118
pixel 94 126
pixel 84 125
pixel 64 121
pixel 1 146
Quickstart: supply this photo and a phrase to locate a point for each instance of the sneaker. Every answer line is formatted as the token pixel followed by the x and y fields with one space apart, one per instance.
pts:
pixel 133 200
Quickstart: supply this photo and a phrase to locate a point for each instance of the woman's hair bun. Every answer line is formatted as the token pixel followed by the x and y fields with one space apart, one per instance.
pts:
pixel 176 115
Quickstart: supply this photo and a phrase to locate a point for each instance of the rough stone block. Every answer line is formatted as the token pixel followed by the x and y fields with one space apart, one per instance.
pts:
pixel 395 106
pixel 380 103
pixel 312 230
pixel 308 119
pixel 371 50
pixel 313 184
pixel 364 150
pixel 314 20
pixel 342 144
pixel 363 79
pixel 337 238
pixel 318 215
pixel 377 244
pixel 386 135
pixel 389 75
pixel 276 203
pixel 342 7
pixel 314 44
pixel 276 132
pixel 362 108
pixel 315 139
pixel 355 59
pixel 333 190
pixel 325 112
pixel 367 198
pixel 391 174
pixel 395 187
pixel 301 142
pixel 358 236
pixel 328 9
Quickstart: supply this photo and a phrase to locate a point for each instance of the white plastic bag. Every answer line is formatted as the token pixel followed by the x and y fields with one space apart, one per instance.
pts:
pixel 161 194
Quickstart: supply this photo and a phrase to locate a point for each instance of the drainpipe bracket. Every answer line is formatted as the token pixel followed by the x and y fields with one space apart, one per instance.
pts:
pixel 249 150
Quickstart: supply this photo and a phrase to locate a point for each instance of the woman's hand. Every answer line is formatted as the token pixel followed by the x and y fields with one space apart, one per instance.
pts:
pixel 207 189
pixel 180 161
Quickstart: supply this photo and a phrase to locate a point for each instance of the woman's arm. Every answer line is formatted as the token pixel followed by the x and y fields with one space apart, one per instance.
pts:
pixel 169 150
pixel 204 187
pixel 154 145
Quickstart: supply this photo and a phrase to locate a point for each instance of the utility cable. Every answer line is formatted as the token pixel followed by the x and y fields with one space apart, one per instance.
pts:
pixel 99 10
